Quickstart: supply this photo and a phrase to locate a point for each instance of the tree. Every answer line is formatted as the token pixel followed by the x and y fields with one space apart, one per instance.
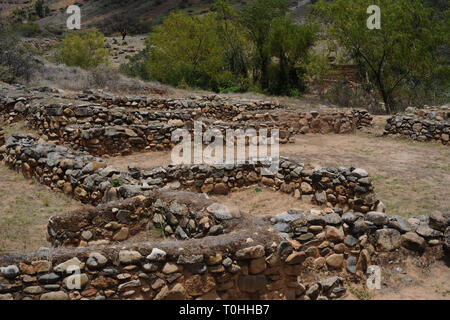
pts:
pixel 41 9
pixel 403 49
pixel 186 50
pixel 233 40
pixel 257 18
pixel 289 43
pixel 86 51
pixel 15 62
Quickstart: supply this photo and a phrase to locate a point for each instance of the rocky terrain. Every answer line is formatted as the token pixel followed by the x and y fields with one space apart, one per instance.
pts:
pixel 163 232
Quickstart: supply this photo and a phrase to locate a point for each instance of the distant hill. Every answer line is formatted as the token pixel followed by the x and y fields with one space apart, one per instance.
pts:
pixel 110 15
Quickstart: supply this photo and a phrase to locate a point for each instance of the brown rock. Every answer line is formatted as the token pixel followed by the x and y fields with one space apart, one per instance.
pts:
pixel 122 234
pixel 296 258
pixel 267 181
pixel 257 265
pixel 221 188
pixel 413 241
pixel 334 234
pixel 207 188
pixel 335 261
pixel 363 260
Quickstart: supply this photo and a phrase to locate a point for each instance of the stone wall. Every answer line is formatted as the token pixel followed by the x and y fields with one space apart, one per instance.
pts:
pixel 122 125
pixel 238 265
pixel 114 130
pixel 90 180
pixel 2 137
pixel 431 113
pixel 418 129
pixel 179 214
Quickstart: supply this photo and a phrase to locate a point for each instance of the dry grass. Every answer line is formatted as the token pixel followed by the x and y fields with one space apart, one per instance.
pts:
pixel 24 211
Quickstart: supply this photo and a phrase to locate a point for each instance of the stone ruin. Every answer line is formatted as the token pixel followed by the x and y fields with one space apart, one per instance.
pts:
pixel 428 124
pixel 211 251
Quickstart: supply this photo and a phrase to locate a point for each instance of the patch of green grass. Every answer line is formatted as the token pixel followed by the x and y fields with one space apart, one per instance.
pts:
pixel 46 202
pixel 116 182
pixel 160 230
pixel 361 294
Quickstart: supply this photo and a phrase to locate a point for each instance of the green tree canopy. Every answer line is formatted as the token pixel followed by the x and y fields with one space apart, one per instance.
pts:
pixel 85 50
pixel 186 49
pixel 405 48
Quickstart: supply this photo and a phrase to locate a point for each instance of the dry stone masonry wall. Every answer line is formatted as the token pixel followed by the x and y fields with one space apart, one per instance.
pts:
pixel 428 124
pixel 297 254
pixel 418 129
pixel 268 264
pixel 119 125
pixel 90 180
pixel 179 214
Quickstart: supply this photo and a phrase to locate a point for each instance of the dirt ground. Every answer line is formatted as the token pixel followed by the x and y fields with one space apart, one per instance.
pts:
pixel 407 283
pixel 261 201
pixel 411 178
pixel 25 207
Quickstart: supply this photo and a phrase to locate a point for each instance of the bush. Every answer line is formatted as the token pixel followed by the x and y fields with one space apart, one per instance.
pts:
pixel 86 51
pixel 15 62
pixel 27 29
pixel 186 50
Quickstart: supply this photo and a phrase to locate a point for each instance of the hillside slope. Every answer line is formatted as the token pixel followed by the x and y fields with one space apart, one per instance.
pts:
pixel 111 15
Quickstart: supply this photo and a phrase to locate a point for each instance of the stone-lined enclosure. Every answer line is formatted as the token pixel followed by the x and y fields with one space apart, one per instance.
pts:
pixel 113 126
pixel 253 264
pixel 431 124
pixel 210 251
pixel 234 256
pixel 90 180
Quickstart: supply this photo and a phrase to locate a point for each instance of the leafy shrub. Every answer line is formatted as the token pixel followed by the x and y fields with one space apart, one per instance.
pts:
pixel 15 62
pixel 27 29
pixel 86 50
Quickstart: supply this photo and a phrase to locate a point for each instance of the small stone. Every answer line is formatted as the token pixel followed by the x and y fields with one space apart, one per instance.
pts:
pixel 157 255
pixel 73 263
pixel 350 240
pixel 129 256
pixel 33 290
pixel 86 235
pixel 334 234
pixel 227 262
pixel 220 211
pixel 189 259
pixel 427 232
pixel 122 234
pixel 176 293
pixel 10 272
pixel 413 241
pixel 377 218
pixel 296 258
pixel 313 291
pixel 250 253
pixel 129 284
pixel 351 264
pixel 438 221
pixel 388 239
pixel 58 295
pixel 335 261
pixel 360 173
pixel 48 278
pixel 96 260
pixel 170 268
